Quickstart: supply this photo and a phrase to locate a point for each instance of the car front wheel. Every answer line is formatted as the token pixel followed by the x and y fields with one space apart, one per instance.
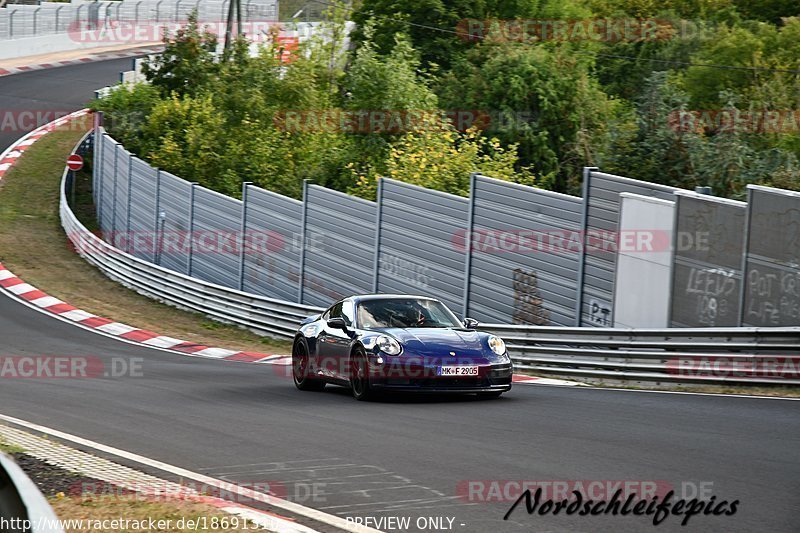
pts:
pixel 301 373
pixel 359 375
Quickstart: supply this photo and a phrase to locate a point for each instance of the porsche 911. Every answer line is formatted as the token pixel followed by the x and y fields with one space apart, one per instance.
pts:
pixel 397 343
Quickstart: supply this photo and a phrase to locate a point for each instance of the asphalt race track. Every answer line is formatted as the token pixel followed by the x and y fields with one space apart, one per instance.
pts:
pixel 404 457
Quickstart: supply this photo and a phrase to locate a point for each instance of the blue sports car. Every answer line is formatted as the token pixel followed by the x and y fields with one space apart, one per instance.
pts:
pixel 381 343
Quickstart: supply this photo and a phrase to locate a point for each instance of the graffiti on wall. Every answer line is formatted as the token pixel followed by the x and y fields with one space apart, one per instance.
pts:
pixel 528 303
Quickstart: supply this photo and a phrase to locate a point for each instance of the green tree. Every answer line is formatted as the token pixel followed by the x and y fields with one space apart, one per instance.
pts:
pixel 126 110
pixel 768 10
pixel 187 62
pixel 545 100
pixel 442 160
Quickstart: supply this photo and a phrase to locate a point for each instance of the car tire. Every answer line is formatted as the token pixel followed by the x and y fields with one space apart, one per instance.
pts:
pixel 300 368
pixel 490 395
pixel 359 376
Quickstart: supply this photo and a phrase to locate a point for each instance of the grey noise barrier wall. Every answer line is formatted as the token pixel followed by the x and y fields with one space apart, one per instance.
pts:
pixel 339 239
pixel 122 198
pixel 707 265
pixel 417 248
pixel 601 223
pixel 271 262
pixel 215 238
pixel 521 267
pixel 143 216
pixel 104 185
pixel 771 263
pixel 174 212
pixel 508 253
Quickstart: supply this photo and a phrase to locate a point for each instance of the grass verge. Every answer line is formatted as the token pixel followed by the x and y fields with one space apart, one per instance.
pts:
pixel 33 246
pixel 9 449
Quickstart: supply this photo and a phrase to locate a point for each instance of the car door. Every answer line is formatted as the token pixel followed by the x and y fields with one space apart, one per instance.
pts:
pixel 334 343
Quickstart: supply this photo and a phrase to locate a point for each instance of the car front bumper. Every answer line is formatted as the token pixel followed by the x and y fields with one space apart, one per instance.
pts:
pixel 491 378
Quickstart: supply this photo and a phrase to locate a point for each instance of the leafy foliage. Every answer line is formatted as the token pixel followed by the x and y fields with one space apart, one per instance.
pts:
pixel 442 161
pixel 187 62
pixel 553 105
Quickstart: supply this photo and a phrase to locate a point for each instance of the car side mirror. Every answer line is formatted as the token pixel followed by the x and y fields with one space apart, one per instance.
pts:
pixel 470 323
pixel 337 323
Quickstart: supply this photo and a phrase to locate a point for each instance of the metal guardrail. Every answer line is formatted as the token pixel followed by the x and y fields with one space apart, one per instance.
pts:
pixel 23 508
pixel 36 18
pixel 736 355
pixel 745 356
pixel 265 316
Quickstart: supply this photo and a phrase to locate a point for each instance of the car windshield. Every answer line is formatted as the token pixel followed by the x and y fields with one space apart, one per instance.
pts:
pixel 405 313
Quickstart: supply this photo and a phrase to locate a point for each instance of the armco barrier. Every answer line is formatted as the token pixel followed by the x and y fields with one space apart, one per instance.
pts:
pixel 742 356
pixel 751 356
pixel 48 27
pixel 22 502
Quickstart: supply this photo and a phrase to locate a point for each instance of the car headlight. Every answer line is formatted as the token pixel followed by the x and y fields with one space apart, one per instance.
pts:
pixel 388 345
pixel 497 345
pixel 310 330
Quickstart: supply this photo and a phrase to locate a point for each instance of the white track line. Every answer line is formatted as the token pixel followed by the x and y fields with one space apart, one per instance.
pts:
pixel 285 505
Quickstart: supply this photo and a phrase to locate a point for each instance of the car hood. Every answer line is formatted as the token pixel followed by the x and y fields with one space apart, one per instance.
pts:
pixel 439 341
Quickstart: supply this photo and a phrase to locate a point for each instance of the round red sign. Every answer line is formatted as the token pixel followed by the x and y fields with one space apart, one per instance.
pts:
pixel 75 162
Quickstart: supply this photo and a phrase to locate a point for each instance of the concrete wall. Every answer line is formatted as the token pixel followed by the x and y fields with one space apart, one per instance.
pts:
pixel 644 262
pixel 45 44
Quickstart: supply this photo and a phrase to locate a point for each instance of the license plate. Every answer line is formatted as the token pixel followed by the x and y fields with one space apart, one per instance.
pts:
pixel 458 371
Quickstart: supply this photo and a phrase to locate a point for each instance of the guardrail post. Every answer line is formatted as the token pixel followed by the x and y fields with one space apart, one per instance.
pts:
pixel 191 231
pixel 587 178
pixel 301 274
pixel 97 176
pixel 745 250
pixel 128 238
pixel 376 263
pixel 11 23
pixel 35 18
pixel 468 242
pixel 78 15
pixel 159 221
pixel 96 158
pixel 674 246
pixel 117 148
pixel 243 234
